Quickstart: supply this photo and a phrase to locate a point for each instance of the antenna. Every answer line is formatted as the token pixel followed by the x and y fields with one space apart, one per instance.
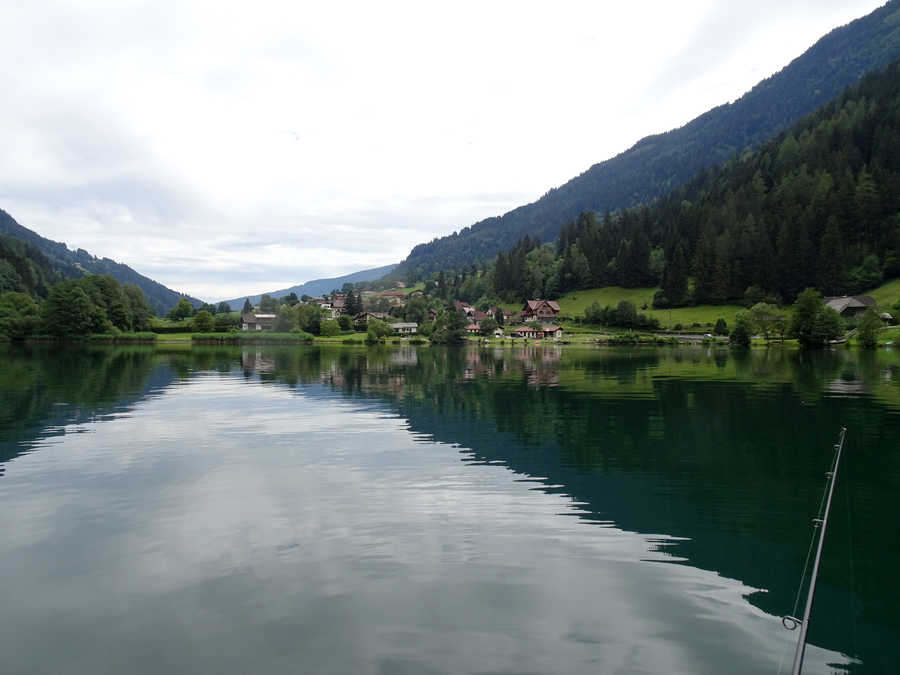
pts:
pixel 790 622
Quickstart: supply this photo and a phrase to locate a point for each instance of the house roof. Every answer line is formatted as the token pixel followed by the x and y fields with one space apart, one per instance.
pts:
pixel 534 305
pixel 401 324
pixel 844 302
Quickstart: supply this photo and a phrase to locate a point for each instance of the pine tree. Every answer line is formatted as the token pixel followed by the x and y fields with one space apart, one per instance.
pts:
pixel 674 284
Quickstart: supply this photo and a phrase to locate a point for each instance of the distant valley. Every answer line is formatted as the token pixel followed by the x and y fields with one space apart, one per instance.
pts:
pixel 319 286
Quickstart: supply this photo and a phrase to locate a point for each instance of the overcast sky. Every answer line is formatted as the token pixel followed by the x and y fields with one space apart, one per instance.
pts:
pixel 228 148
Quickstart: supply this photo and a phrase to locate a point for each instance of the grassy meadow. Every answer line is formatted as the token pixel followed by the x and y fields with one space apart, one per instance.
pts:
pixel 574 303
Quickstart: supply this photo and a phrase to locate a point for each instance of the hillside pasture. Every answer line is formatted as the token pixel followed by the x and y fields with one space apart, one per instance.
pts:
pixel 574 303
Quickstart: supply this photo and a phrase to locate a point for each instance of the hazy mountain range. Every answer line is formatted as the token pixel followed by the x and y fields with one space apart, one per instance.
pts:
pixel 318 286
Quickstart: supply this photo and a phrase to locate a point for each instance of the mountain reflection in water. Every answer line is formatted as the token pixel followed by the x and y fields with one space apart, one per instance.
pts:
pixel 716 458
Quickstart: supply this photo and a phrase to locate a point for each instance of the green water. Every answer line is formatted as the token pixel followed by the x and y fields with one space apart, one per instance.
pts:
pixel 403 510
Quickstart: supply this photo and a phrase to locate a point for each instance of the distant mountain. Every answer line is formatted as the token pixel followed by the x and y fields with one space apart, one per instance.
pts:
pixel 660 163
pixel 71 263
pixel 318 286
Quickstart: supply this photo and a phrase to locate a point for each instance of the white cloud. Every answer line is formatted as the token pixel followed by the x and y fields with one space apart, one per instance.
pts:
pixel 194 140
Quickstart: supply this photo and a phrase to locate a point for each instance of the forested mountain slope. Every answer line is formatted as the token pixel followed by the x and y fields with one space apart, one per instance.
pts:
pixel 657 164
pixel 818 206
pixel 160 298
pixel 24 269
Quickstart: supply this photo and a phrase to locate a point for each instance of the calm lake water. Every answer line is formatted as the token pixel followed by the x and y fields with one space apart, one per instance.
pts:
pixel 403 510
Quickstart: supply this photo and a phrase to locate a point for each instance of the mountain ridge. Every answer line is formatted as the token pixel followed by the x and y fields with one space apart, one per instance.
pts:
pixel 160 298
pixel 659 163
pixel 319 286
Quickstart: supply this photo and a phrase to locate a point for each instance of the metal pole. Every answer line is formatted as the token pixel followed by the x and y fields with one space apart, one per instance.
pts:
pixel 804 624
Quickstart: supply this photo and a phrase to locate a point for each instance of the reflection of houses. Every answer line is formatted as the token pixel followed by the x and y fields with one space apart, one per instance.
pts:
pixel 257 321
pixel 539 310
pixel 255 362
pixel 405 328
pixel 849 306
pixel 405 356
pixel 846 387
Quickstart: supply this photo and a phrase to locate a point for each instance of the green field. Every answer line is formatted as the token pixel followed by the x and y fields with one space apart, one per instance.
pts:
pixel 574 303
pixel 886 294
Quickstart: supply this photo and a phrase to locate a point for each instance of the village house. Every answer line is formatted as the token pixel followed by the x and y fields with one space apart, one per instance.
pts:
pixel 539 310
pixel 361 321
pixel 405 328
pixel 395 298
pixel 849 306
pixel 257 321
pixel 535 333
pixel 494 310
pixel 330 309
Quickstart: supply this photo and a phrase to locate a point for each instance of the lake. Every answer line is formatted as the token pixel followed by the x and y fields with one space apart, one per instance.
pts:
pixel 400 510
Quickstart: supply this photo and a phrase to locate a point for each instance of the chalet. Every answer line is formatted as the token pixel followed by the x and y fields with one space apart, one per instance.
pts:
pixel 540 310
pixel 552 332
pixel 473 329
pixel 537 333
pixel 395 298
pixel 257 321
pixel 849 306
pixel 339 302
pixel 330 310
pixel 362 320
pixel 493 310
pixel 405 328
